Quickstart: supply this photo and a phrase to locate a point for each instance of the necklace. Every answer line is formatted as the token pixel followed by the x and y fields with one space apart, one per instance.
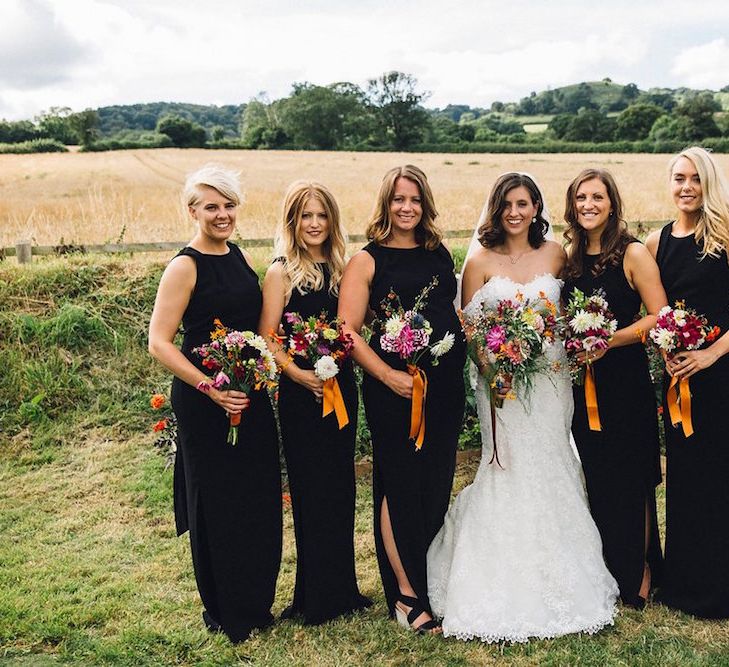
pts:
pixel 514 260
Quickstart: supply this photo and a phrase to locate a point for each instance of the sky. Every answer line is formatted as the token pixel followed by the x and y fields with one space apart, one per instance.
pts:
pixel 92 53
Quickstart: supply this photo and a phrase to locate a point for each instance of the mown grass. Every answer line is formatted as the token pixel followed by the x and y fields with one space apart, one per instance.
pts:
pixel 91 572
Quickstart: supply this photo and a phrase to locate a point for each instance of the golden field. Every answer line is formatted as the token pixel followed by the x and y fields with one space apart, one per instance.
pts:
pixel 133 196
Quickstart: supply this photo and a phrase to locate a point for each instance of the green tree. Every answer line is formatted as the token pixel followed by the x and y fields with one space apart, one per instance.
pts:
pixel 13 132
pixel 699 109
pixel 397 102
pixel 183 132
pixel 636 121
pixel 260 125
pixel 55 124
pixel 590 125
pixel 326 117
pixel 85 126
pixel 560 124
pixel 578 98
pixel 670 128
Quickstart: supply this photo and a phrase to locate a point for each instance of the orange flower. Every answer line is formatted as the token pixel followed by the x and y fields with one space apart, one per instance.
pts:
pixel 157 401
pixel 161 425
pixel 286 499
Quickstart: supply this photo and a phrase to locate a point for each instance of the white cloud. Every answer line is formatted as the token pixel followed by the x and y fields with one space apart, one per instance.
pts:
pixel 703 66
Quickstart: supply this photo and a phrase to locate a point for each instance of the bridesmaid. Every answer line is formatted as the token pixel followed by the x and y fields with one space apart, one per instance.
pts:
pixel 692 256
pixel 229 497
pixel 304 279
pixel 411 488
pixel 621 462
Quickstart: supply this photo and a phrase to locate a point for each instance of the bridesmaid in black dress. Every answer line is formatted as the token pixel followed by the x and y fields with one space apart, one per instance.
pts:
pixel 692 256
pixel 622 460
pixel 411 488
pixel 304 279
pixel 229 497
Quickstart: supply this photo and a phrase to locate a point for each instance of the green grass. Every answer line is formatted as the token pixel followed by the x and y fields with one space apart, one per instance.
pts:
pixel 91 572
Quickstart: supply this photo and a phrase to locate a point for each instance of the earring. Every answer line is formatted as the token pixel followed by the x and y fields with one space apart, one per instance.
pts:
pixel 534 219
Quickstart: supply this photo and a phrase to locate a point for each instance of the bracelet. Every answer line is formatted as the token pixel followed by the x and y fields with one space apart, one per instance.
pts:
pixel 203 386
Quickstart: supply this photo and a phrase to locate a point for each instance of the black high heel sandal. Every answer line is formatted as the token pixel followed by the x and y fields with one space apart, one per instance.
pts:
pixel 407 620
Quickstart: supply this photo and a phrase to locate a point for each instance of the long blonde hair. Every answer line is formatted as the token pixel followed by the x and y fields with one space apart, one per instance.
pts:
pixel 379 226
pixel 712 227
pixel 301 270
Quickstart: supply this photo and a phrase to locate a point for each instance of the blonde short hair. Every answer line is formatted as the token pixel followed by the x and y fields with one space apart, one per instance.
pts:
pixel 225 181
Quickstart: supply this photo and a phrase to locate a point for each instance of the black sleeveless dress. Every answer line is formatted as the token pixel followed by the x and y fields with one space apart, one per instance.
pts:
pixel 320 464
pixel 697 493
pixel 621 462
pixel 229 497
pixel 417 484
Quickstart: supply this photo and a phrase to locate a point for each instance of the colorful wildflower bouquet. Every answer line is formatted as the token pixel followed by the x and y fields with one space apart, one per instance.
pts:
pixel 239 360
pixel 677 330
pixel 509 340
pixel 407 333
pixel 589 326
pixel 325 345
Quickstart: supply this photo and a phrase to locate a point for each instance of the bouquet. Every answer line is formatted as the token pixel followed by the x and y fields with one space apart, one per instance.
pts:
pixel 325 346
pixel 509 340
pixel 589 326
pixel 239 360
pixel 407 333
pixel 680 329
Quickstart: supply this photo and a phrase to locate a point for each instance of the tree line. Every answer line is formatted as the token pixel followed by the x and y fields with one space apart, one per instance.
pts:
pixel 388 113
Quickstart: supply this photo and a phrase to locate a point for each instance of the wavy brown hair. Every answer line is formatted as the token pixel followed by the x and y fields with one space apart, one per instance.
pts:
pixel 491 232
pixel 302 273
pixel 614 239
pixel 379 227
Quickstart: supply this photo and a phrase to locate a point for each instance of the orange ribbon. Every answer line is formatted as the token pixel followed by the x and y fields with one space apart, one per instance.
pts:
pixel 593 416
pixel 679 404
pixel 417 411
pixel 334 402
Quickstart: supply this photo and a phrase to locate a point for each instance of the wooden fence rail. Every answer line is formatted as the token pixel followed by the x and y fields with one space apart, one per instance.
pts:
pixel 24 250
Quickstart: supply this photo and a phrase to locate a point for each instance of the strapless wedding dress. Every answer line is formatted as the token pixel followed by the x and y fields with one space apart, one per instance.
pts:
pixel 519 555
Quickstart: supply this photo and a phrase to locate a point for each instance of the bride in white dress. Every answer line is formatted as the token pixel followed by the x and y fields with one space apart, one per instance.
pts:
pixel 519 555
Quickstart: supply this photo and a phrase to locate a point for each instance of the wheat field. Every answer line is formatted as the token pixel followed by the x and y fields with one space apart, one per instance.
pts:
pixel 133 196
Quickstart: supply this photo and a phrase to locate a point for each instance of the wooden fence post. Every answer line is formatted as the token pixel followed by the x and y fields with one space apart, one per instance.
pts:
pixel 23 252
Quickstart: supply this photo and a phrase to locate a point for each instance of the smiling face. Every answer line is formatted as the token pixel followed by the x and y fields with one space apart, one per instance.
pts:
pixel 686 187
pixel 593 205
pixel 406 208
pixel 313 225
pixel 517 211
pixel 214 213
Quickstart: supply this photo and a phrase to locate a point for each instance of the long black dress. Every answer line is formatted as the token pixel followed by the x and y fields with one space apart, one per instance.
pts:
pixel 417 484
pixel 229 497
pixel 696 576
pixel 320 464
pixel 622 461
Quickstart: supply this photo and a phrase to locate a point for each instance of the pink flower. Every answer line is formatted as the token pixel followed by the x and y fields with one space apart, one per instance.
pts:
pixel 220 379
pixel 495 338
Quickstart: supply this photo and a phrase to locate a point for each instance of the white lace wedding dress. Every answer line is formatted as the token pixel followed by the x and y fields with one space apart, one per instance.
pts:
pixel 519 555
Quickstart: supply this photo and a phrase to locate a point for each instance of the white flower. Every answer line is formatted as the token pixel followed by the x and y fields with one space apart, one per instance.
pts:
pixel 598 321
pixel 664 338
pixel 257 343
pixel 394 326
pixel 679 317
pixel 581 322
pixel 443 345
pixel 599 300
pixel 326 368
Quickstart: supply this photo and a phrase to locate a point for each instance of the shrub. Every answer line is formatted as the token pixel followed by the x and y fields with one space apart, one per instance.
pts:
pixel 34 146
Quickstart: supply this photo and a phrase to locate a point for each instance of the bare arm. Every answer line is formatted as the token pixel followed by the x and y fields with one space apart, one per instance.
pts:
pixel 274 301
pixel 354 294
pixel 173 296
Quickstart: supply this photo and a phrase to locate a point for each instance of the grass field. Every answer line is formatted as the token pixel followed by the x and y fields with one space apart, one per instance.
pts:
pixel 133 196
pixel 91 572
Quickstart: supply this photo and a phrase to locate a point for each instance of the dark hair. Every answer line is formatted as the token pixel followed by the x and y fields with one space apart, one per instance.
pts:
pixel 614 239
pixel 491 232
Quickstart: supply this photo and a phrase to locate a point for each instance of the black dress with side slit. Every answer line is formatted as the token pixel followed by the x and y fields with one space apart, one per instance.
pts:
pixel 320 465
pixel 696 578
pixel 228 496
pixel 621 462
pixel 417 484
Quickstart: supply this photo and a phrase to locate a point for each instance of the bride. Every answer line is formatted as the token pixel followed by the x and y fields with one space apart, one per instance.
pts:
pixel 519 555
